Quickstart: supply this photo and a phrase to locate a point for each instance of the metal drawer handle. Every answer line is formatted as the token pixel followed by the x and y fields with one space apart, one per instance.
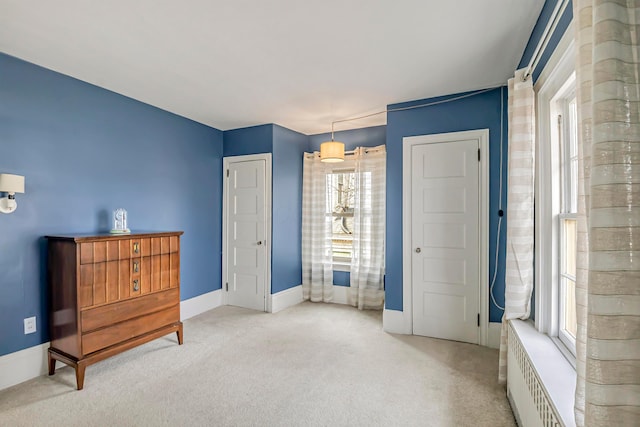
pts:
pixel 136 266
pixel 136 247
pixel 418 250
pixel 136 285
pixel 259 242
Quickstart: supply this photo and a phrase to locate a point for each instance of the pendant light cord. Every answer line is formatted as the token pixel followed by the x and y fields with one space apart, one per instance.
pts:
pixel 500 212
pixel 411 107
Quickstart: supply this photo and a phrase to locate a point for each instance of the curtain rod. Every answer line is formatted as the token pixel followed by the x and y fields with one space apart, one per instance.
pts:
pixel 368 149
pixel 377 149
pixel 561 5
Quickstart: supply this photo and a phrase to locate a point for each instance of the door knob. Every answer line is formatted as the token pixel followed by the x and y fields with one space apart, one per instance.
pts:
pixel 259 242
pixel 418 250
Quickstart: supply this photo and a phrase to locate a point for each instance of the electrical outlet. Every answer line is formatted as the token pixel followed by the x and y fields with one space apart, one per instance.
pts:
pixel 30 325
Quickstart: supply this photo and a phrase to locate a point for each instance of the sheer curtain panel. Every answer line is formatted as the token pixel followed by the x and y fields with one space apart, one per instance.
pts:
pixel 521 163
pixel 608 281
pixel 317 262
pixel 367 262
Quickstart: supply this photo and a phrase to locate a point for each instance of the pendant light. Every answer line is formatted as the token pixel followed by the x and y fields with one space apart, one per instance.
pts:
pixel 332 151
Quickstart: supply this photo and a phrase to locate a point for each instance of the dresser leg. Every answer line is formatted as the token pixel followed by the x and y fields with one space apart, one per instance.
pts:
pixel 52 364
pixel 179 333
pixel 80 367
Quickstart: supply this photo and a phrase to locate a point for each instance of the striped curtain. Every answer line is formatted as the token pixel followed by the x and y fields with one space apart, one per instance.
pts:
pixel 608 281
pixel 317 262
pixel 520 190
pixel 367 262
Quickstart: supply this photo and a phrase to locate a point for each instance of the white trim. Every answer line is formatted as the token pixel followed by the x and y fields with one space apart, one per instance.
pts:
pixel 340 266
pixel 284 299
pixel 484 235
pixel 226 161
pixel 23 365
pixel 554 370
pixel 565 47
pixel 197 305
pixel 396 322
pixel 557 71
pixel 29 363
pixel 482 135
pixel 549 30
pixel 494 332
pixel 340 294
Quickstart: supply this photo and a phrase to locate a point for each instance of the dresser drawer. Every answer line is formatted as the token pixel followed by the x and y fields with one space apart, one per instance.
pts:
pixel 105 337
pixel 107 315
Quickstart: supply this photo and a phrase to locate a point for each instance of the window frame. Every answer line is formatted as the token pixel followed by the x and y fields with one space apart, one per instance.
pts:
pixel 566 338
pixel 340 263
pixel 553 84
pixel 563 100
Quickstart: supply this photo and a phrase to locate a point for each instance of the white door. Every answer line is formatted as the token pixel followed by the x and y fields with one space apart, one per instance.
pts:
pixel 245 254
pixel 445 239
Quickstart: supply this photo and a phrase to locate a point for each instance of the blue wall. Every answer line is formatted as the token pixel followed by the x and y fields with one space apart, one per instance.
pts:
pixel 363 137
pixel 85 151
pixel 286 147
pixel 536 35
pixel 286 251
pixel 480 111
pixel 250 140
pixel 537 32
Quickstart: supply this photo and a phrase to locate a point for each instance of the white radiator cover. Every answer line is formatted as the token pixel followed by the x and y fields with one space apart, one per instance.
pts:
pixel 529 400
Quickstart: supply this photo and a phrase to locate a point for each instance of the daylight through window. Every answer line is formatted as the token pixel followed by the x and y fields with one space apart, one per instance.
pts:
pixel 341 187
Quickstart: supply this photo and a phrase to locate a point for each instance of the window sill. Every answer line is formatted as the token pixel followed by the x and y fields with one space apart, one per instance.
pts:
pixel 342 267
pixel 562 348
pixel 556 373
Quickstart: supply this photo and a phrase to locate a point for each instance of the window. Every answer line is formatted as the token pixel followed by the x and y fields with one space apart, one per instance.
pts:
pixel 568 173
pixel 556 209
pixel 556 199
pixel 341 194
pixel 343 225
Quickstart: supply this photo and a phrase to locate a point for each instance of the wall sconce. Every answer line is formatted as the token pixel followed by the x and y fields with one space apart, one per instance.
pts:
pixel 11 184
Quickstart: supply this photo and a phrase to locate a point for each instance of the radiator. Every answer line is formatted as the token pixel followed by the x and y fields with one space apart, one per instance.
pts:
pixel 529 400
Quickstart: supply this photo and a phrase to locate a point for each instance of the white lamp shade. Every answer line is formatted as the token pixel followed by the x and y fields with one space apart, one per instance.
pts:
pixel 11 183
pixel 332 151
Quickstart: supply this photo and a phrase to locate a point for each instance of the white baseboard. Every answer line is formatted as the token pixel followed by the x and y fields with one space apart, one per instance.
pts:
pixel 394 321
pixel 340 294
pixel 198 305
pixel 23 365
pixel 284 299
pixel 31 362
pixel 494 331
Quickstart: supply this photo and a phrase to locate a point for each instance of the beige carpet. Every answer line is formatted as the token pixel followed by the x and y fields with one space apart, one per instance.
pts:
pixel 312 364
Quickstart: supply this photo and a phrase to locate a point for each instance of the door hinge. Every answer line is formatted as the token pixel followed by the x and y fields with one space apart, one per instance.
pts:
pixel 478 319
pixel 227 173
pixel 478 154
pixel 227 286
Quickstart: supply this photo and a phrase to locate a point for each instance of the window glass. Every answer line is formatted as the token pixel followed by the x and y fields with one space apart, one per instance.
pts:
pixel 568 133
pixel 341 195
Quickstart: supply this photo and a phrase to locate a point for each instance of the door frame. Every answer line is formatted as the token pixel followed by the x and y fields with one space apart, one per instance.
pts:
pixel 226 162
pixel 482 135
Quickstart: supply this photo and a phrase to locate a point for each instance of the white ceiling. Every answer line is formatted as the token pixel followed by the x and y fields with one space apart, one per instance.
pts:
pixel 297 63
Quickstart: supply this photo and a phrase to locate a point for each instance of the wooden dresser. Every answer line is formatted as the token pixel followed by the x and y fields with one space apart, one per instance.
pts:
pixel 109 293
